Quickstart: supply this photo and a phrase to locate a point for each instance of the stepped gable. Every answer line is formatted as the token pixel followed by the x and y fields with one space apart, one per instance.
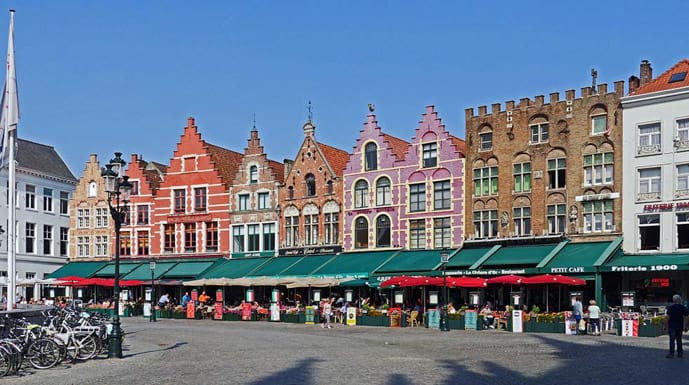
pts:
pixel 662 82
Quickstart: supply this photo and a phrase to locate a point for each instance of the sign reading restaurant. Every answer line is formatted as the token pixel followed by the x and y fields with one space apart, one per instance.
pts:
pixel 667 206
pixel 491 271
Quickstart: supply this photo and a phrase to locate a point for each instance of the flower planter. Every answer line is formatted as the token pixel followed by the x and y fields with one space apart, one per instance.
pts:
pixel 366 320
pixel 455 324
pixel 544 327
pixel 179 315
pixel 231 317
pixel 296 318
pixel 651 330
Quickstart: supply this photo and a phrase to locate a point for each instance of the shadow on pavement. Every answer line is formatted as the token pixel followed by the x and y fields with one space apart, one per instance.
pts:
pixel 175 346
pixel 399 379
pixel 301 373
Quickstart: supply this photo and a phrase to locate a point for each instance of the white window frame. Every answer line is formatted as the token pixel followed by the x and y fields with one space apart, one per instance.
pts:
pixel 649 142
pixel 683 130
pixel 430 155
pixel 540 132
pixel 598 216
pixel 599 168
pixel 558 217
pixel 48 200
pixel 647 183
pixel 263 200
pixel 522 220
pixel 681 219
pixel 486 224
pixel 101 243
pixel 486 141
pixel 682 180
pixel 598 118
pixel 653 224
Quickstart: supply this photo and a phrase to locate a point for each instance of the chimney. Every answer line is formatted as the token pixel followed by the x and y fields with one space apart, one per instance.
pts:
pixel 633 84
pixel 645 72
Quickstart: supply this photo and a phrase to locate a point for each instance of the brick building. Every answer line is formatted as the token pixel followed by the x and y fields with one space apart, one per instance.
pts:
pixel 311 198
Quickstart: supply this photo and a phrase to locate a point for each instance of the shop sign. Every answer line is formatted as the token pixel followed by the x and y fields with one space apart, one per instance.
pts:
pixel 660 282
pixel 666 206
pixel 643 268
pixel 487 272
pixel 558 270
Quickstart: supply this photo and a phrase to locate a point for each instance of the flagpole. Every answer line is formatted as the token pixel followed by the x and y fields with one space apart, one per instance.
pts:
pixel 11 132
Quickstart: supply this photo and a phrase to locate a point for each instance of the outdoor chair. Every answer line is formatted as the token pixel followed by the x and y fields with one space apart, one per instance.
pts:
pixel 413 318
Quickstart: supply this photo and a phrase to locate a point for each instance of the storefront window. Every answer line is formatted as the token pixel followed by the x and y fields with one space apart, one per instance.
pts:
pixel 683 231
pixel 649 232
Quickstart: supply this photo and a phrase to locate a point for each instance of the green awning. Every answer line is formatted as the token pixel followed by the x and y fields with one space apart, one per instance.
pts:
pixel 77 269
pixel 143 272
pixel 125 268
pixel 187 269
pixel 275 266
pixel 421 261
pixel 355 283
pixel 466 257
pixel 355 265
pixel 306 265
pixel 522 255
pixel 234 268
pixel 646 263
pixel 576 258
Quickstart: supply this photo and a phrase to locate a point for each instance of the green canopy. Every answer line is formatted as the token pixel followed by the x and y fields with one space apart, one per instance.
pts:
pixel 143 272
pixel 422 261
pixel 234 268
pixel 466 257
pixel 275 266
pixel 187 269
pixel 306 265
pixel 621 262
pixel 77 269
pixel 125 268
pixel 579 257
pixel 355 265
pixel 519 255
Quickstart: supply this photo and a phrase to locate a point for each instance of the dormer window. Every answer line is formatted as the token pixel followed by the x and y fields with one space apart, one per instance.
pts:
pixel 371 156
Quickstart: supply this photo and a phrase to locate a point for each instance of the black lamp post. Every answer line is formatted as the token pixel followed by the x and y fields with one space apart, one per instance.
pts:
pixel 444 257
pixel 119 189
pixel 152 265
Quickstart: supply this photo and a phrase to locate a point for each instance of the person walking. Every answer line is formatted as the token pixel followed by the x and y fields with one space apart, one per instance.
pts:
pixel 594 317
pixel 577 311
pixel 327 310
pixel 674 324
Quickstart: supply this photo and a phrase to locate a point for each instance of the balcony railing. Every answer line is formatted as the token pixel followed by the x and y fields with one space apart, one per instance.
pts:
pixel 649 196
pixel 649 149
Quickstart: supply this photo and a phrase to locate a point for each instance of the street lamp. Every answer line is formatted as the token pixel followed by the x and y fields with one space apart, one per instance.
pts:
pixel 152 265
pixel 444 257
pixel 119 189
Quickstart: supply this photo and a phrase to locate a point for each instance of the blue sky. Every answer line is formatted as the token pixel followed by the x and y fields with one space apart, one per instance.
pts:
pixel 97 76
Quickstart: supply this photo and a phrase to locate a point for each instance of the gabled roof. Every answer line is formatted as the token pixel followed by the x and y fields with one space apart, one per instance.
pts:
pixel 337 159
pixel 226 162
pixel 43 159
pixel 461 145
pixel 398 146
pixel 662 82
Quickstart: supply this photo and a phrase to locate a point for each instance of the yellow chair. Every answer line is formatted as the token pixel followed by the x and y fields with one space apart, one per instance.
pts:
pixel 413 318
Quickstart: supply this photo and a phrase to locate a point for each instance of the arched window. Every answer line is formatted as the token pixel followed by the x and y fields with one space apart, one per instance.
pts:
pixel 330 187
pixel 310 185
pixel 361 194
pixel 290 192
pixel 383 231
pixel 361 233
pixel 371 151
pixel 383 192
pixel 253 174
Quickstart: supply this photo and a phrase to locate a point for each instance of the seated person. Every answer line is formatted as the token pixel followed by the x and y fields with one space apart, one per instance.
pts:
pixel 487 317
pixel 204 298
pixel 451 308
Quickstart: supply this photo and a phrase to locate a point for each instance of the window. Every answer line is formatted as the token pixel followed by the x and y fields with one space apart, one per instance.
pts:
pixel 93 189
pixel 682 230
pixel 83 218
pixel 330 187
pixel 539 133
pixel 101 245
pixel 310 185
pixel 486 141
pixel 361 194
pixel 417 234
pixel 598 169
pixel 598 216
pixel 48 199
pixel 253 237
pixel 430 154
pixel 243 202
pixel 169 234
pixel 649 138
pixel 556 215
pixel 649 183
pixel 485 181
pixel 383 231
pixel 678 77
pixel 557 169
pixel 142 243
pixel 190 237
pixel 30 197
pixel 599 124
pixel 417 197
pixel 311 229
pixel 64 203
pixel 101 217
pixel 486 223
pixel 135 187
pixel 126 219
pixel 683 177
pixel 522 177
pixel 332 226
pixel 47 240
pixel 683 130
pixel 200 195
pixel 211 236
pixel 64 241
pixel 292 230
pixel 142 214
pixel 263 201
pixel 83 246
pixel 290 192
pixel 253 174
pixel 522 220
pixel 649 232
pixel 371 156
pixel 442 232
pixel 441 195
pixel 383 192
pixel 180 201
pixel 125 243
pixel 268 236
pixel 361 233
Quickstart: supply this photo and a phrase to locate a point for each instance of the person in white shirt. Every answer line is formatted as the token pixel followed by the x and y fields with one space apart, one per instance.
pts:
pixel 594 317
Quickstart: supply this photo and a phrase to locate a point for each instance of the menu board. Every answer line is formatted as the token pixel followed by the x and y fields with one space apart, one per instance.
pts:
pixel 433 319
pixel 470 318
pixel 395 314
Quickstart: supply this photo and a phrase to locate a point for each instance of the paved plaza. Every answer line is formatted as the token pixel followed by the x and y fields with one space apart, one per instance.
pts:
pixel 262 353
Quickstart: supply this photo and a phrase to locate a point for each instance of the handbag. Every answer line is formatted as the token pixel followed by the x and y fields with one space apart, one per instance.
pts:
pixel 582 325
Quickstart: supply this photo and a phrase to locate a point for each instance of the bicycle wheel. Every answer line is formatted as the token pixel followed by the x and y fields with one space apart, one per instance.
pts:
pixel 88 347
pixel 44 353
pixel 5 362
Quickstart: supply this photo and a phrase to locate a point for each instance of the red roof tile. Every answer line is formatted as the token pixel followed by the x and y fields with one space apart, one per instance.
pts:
pixel 337 159
pixel 226 161
pixel 461 145
pixel 398 146
pixel 278 169
pixel 662 82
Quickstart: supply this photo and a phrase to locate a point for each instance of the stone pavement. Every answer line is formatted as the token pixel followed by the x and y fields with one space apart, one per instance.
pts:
pixel 262 353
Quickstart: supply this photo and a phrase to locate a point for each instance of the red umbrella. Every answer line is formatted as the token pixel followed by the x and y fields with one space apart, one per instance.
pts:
pixel 510 279
pixel 464 282
pixel 422 281
pixel 130 282
pixel 94 282
pixel 553 278
pixel 394 281
pixel 71 280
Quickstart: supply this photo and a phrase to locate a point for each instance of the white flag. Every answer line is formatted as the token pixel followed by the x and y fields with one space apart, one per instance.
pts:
pixel 9 116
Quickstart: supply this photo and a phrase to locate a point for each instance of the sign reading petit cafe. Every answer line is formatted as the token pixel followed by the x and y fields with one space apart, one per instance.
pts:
pixel 667 206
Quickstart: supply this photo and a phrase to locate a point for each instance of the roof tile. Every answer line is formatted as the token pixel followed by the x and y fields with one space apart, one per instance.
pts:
pixel 661 83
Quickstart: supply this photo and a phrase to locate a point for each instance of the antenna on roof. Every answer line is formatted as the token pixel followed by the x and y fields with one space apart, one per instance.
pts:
pixel 594 76
pixel 310 111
